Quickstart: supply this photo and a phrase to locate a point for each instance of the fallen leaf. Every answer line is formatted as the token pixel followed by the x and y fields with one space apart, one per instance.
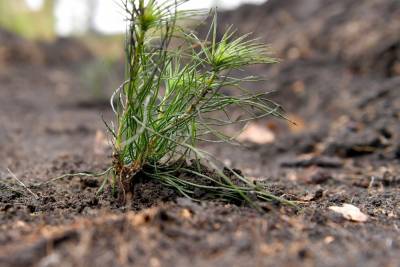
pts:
pixel 257 133
pixel 101 144
pixel 350 212
pixel 329 239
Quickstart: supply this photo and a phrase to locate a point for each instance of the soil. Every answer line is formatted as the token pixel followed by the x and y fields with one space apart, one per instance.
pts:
pixel 344 149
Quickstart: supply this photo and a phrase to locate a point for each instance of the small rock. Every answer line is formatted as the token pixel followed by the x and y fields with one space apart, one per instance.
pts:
pixel 388 179
pixel 397 152
pixel 320 178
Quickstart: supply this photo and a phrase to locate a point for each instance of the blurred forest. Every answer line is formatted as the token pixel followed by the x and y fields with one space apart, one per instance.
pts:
pixel 16 16
pixel 30 35
pixel 40 22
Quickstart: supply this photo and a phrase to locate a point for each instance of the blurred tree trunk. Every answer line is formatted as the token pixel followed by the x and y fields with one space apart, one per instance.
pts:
pixel 91 16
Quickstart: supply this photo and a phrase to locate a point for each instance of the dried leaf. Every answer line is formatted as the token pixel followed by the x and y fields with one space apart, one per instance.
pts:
pixel 350 212
pixel 186 214
pixel 257 133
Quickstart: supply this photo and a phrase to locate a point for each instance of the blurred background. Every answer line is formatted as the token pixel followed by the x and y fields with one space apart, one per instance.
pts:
pixel 97 26
pixel 46 18
pixel 65 57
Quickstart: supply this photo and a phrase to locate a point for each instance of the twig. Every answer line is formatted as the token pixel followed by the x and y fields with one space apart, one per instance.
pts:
pixel 80 174
pixel 22 184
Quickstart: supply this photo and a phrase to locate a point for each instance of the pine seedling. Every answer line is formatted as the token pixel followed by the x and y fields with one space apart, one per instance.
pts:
pixel 172 97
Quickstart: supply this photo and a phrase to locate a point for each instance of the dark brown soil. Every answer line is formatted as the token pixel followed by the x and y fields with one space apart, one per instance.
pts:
pixel 345 149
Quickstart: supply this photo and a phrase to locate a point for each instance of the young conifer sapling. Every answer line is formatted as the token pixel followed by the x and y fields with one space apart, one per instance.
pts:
pixel 172 98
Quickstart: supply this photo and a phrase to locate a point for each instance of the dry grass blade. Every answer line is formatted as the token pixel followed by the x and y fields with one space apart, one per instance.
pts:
pixel 22 184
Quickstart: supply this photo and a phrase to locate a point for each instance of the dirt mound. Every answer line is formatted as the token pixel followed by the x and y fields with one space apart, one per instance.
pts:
pixel 65 50
pixel 372 128
pixel 17 50
pixel 337 80
pixel 14 49
pixel 363 34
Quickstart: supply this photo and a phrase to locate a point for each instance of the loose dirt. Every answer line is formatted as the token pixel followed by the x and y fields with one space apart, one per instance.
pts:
pixel 344 149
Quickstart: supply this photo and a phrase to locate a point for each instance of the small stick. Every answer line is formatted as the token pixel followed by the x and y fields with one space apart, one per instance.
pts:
pixel 22 184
